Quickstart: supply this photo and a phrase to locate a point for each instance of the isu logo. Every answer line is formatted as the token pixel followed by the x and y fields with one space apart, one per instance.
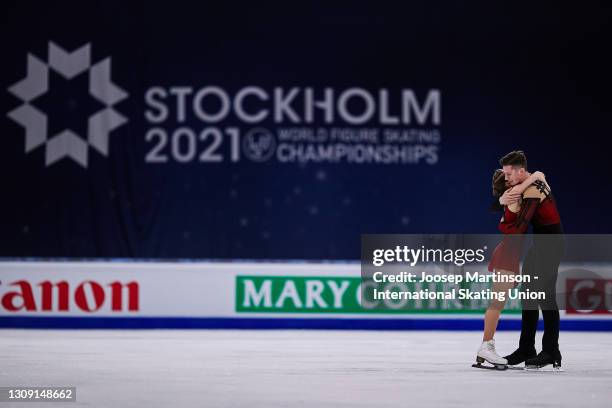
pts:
pixel 66 143
pixel 586 296
pixel 88 296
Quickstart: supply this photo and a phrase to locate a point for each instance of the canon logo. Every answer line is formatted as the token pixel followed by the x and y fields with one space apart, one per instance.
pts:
pixel 88 296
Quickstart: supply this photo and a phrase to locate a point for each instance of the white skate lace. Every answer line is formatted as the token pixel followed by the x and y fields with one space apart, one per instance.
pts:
pixel 491 347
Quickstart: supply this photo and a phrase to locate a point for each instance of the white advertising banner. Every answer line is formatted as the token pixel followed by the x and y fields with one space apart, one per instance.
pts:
pixel 206 290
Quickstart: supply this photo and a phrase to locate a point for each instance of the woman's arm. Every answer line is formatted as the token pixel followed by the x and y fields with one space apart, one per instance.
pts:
pixel 513 194
pixel 520 188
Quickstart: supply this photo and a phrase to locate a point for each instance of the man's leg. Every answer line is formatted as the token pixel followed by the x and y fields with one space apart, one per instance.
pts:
pixel 550 340
pixel 531 311
pixel 529 326
pixel 551 252
pixel 529 319
pixel 550 353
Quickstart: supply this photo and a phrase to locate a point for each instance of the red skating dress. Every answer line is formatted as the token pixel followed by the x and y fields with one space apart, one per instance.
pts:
pixel 507 254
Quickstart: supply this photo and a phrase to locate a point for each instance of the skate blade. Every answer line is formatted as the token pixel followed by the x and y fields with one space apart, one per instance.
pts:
pixel 545 369
pixel 497 367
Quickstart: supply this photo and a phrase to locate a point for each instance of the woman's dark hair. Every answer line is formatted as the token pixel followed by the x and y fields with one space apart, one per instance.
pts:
pixel 499 186
pixel 499 183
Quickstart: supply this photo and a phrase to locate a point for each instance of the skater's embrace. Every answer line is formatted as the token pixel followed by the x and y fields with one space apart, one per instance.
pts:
pixel 504 261
pixel 525 199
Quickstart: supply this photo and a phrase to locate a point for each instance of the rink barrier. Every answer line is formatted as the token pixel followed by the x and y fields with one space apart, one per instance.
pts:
pixel 213 295
pixel 281 323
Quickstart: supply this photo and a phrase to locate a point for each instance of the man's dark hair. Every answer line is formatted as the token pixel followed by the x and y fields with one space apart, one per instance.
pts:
pixel 515 158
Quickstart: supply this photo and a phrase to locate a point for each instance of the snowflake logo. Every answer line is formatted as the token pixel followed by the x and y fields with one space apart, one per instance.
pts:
pixel 36 83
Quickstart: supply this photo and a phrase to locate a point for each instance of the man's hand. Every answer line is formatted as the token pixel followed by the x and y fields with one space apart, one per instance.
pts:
pixel 509 197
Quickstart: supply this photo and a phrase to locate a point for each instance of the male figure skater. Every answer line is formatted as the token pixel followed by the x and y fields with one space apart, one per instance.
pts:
pixel 538 208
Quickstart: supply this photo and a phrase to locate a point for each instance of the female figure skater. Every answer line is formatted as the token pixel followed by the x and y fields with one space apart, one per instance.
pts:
pixel 505 260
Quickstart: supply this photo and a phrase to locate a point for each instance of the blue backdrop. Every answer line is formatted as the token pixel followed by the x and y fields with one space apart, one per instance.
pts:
pixel 498 76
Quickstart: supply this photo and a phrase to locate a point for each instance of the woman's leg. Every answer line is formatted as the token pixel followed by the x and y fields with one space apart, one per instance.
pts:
pixel 496 306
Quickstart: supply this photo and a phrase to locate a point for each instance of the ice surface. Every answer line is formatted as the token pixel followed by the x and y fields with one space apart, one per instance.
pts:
pixel 233 368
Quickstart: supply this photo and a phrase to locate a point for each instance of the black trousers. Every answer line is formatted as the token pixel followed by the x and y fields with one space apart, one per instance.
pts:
pixel 542 264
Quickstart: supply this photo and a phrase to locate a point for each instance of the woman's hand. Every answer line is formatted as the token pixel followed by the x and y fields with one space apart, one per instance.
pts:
pixel 538 175
pixel 510 196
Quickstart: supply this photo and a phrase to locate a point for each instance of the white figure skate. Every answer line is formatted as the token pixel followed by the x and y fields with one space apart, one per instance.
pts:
pixel 487 353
